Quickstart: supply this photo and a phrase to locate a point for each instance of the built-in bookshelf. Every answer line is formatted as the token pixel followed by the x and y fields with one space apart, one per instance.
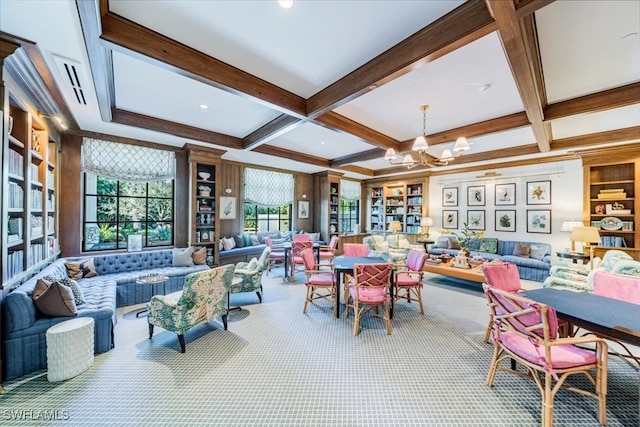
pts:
pixel 399 201
pixel 327 198
pixel 377 209
pixel 30 233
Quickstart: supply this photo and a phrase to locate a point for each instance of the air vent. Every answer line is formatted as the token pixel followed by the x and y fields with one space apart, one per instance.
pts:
pixel 71 73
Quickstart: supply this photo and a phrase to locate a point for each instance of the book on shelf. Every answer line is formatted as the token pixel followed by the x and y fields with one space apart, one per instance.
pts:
pixel 612 190
pixel 612 196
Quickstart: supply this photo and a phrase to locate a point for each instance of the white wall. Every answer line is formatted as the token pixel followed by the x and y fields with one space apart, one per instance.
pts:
pixel 566 200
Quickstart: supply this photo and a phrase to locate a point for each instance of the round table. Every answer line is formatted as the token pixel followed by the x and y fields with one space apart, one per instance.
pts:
pixel 150 279
pixel 574 256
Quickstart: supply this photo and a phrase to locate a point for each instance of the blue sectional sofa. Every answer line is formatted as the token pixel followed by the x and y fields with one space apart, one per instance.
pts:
pixel 24 327
pixel 534 267
pixel 256 245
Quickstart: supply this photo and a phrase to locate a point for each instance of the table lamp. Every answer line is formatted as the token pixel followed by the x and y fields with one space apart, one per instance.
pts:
pixel 569 226
pixel 425 223
pixel 395 226
pixel 586 235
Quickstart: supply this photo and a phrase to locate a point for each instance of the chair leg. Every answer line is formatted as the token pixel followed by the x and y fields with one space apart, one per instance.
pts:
pixel 387 317
pixel 419 294
pixel 494 366
pixel 181 340
pixel 489 327
pixel 547 402
pixel 224 321
pixel 259 296
pixel 150 330
pixel 356 321
pixel 306 301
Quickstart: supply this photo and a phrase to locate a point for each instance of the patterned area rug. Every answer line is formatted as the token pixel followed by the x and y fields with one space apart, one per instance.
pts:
pixel 276 366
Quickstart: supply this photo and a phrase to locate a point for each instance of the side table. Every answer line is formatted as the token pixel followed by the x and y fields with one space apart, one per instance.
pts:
pixel 150 279
pixel 69 348
pixel 574 256
pixel 426 243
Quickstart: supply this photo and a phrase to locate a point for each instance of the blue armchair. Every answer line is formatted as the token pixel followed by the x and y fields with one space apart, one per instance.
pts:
pixel 203 298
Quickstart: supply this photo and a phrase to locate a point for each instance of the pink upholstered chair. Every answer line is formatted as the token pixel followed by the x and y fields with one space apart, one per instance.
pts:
pixel 527 332
pixel 328 252
pixel 320 283
pixel 368 291
pixel 295 258
pixel 356 249
pixel 408 282
pixel 304 237
pixel 274 257
pixel 501 275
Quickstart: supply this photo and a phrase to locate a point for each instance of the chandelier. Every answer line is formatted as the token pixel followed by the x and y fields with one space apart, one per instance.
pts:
pixel 420 147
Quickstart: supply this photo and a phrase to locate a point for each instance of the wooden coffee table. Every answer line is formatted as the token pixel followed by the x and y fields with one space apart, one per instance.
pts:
pixel 447 269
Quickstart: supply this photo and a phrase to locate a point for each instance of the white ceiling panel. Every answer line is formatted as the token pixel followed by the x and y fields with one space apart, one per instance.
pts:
pixel 302 49
pixel 601 121
pixel 451 86
pixel 308 138
pixel 588 46
pixel 147 89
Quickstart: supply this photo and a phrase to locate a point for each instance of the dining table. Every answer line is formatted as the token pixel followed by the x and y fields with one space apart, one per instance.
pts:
pixel 344 264
pixel 603 316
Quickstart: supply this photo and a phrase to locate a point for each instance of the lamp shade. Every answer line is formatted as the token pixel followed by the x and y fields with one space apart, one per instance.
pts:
pixel 585 234
pixel 395 226
pixel 446 156
pixel 570 225
pixel 390 154
pixel 461 145
pixel 420 144
pixel 426 222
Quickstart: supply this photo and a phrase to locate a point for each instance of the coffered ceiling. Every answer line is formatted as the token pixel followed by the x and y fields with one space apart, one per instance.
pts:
pixel 332 84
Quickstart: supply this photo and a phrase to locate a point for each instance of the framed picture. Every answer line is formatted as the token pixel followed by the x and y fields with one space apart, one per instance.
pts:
pixel 450 219
pixel 505 220
pixel 227 207
pixel 505 194
pixel 450 196
pixel 475 220
pixel 303 209
pixel 539 193
pixel 539 221
pixel 475 195
pixel 134 243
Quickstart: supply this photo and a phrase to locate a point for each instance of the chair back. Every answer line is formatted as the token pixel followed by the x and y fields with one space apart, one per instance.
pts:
pixel 517 314
pixel 333 243
pixel 304 237
pixel 372 275
pixel 204 296
pixel 268 241
pixel 297 247
pixel 264 259
pixel 308 259
pixel 415 260
pixel 356 249
pixel 502 275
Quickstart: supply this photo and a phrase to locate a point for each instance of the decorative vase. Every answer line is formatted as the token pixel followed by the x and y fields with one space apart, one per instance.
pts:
pixel 205 193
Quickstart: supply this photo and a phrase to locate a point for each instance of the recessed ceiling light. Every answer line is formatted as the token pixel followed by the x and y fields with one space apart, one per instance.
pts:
pixel 285 4
pixel 204 106
pixel 484 88
pixel 321 142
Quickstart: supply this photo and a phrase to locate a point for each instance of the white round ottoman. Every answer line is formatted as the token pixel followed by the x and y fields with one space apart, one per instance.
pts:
pixel 69 348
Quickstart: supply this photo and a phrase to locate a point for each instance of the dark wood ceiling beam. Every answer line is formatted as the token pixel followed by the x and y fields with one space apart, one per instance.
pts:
pixel 100 58
pixel 278 126
pixel 461 26
pixel 358 169
pixel 161 51
pixel 605 100
pixel 129 118
pixel 292 155
pixel 499 124
pixel 515 47
pixel 359 157
pixel 528 7
pixel 7 46
pixel 339 123
pixel 607 137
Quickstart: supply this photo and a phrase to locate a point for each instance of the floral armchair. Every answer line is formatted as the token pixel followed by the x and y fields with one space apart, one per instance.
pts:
pixel 251 274
pixel 203 298
pixel 394 248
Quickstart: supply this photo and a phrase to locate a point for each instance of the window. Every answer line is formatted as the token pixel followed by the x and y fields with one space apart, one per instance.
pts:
pixel 349 216
pixel 262 218
pixel 114 209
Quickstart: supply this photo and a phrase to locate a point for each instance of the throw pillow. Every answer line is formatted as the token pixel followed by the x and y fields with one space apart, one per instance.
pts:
pixel 442 242
pixel 537 252
pixel 200 256
pixel 83 268
pixel 254 240
pixel 247 239
pixel 521 250
pixel 453 244
pixel 489 245
pixel 627 267
pixel 239 241
pixel 54 299
pixel 78 296
pixel 182 257
pixel 404 244
pixel 228 243
pixel 382 247
pixel 221 246
pixel 314 237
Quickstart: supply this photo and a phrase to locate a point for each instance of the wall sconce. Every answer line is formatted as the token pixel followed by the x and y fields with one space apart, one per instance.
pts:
pixel 227 190
pixel 304 196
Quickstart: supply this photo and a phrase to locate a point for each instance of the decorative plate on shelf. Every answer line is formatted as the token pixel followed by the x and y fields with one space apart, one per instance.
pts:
pixel 611 223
